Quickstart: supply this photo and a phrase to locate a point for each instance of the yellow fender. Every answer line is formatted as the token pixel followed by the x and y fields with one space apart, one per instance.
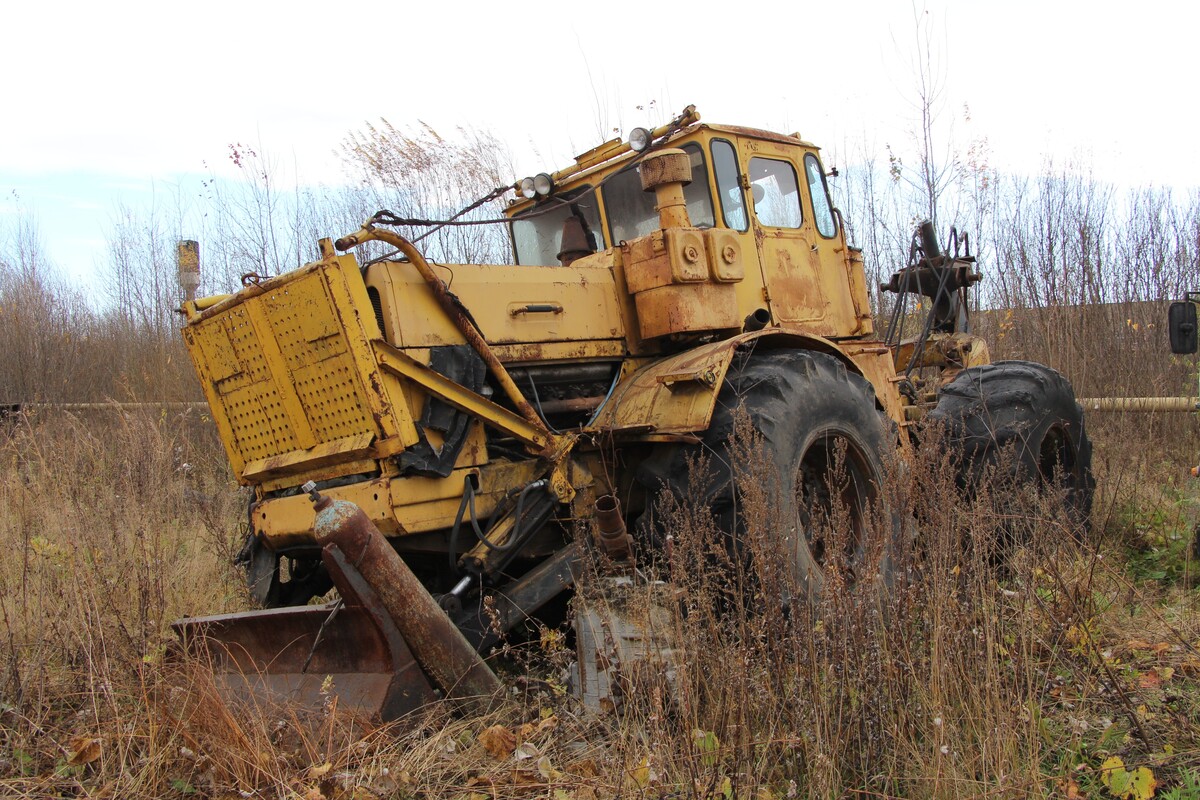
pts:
pixel 677 394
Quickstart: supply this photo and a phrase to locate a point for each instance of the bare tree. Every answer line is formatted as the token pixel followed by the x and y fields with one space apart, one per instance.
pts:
pixel 937 163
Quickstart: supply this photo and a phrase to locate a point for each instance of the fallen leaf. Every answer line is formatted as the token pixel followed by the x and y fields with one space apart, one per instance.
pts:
pixel 1142 784
pixel 82 750
pixel 1113 775
pixel 708 745
pixel 547 723
pixel 314 794
pixel 641 773
pixel 526 751
pixel 499 741
pixel 1069 789
pixel 1156 677
pixel 1136 785
pixel 320 771
pixel 547 770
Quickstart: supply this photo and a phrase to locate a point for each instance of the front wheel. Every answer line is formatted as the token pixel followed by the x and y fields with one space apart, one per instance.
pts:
pixel 823 442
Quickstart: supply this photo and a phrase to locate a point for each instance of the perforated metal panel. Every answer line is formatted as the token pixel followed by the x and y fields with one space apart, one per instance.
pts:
pixel 327 391
pixel 282 372
pixel 260 427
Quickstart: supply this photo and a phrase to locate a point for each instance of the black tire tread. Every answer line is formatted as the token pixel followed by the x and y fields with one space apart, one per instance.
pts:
pixel 989 408
pixel 780 390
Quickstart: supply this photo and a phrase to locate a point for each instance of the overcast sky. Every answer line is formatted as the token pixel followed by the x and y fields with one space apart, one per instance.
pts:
pixel 120 102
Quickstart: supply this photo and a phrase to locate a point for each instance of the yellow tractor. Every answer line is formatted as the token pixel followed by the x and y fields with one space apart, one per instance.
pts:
pixel 427 437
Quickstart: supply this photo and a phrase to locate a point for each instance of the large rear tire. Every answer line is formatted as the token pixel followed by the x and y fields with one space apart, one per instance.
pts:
pixel 1018 421
pixel 824 442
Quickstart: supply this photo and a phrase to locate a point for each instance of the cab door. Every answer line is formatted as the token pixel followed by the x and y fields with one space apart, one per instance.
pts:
pixel 806 287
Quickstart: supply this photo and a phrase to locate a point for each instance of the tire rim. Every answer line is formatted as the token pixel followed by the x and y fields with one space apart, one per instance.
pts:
pixel 835 479
pixel 1057 461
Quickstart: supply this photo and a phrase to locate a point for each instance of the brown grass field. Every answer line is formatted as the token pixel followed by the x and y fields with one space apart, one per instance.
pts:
pixel 965 680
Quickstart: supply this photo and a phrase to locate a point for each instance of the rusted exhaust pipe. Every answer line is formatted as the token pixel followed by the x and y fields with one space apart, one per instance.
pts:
pixel 758 319
pixel 615 540
pixel 435 641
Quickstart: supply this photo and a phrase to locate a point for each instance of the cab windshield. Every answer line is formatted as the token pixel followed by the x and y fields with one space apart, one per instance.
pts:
pixel 537 233
pixel 631 211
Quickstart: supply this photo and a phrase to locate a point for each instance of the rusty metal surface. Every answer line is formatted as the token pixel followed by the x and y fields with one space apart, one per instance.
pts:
pixel 263 653
pixel 291 380
pixel 676 394
pixel 670 165
pixel 688 308
pixel 614 539
pixel 397 362
pixel 436 643
pixel 626 643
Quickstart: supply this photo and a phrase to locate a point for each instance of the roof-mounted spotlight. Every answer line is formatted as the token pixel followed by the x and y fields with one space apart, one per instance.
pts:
pixel 527 190
pixel 543 184
pixel 639 139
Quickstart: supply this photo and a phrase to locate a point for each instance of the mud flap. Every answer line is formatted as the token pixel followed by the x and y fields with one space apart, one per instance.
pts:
pixel 306 654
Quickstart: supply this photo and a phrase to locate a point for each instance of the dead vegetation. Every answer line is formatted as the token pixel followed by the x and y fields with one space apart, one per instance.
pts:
pixel 966 678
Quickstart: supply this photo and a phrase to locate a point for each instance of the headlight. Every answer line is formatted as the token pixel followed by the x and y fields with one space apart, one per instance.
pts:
pixel 639 139
pixel 527 190
pixel 543 184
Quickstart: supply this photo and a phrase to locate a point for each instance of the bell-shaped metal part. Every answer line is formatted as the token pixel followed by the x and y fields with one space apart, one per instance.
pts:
pixel 574 243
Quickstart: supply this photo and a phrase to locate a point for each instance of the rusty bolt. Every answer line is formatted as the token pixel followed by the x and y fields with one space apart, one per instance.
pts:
pixel 691 254
pixel 729 253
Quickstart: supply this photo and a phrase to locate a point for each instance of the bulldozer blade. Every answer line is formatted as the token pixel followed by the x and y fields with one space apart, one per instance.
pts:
pixel 306 654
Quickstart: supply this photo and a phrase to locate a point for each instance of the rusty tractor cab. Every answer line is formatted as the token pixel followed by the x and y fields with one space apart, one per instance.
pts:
pixel 464 430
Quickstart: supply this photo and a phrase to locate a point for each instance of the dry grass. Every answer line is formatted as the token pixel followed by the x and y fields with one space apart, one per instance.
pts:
pixel 962 681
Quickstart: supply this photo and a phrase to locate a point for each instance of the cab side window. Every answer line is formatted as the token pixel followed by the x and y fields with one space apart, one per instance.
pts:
pixel 776 193
pixel 818 190
pixel 733 202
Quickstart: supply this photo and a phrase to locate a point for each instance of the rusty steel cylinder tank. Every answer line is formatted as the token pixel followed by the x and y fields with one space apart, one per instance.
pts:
pixel 435 641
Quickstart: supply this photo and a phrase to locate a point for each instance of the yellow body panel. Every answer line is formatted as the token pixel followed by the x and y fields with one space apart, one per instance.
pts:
pixel 511 304
pixel 398 506
pixel 290 375
pixel 677 394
